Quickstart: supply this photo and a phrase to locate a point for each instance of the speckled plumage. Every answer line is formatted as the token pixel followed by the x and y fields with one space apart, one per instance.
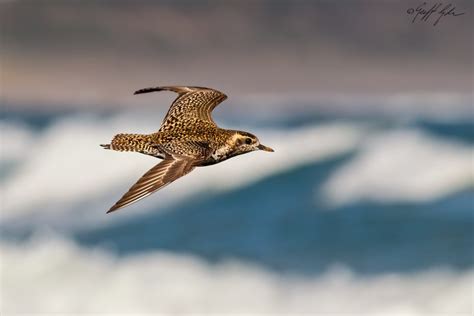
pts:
pixel 188 138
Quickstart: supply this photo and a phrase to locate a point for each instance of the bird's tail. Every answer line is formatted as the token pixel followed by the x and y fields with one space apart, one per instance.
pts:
pixel 132 142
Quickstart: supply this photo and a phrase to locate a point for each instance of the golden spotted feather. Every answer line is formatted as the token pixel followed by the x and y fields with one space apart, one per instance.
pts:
pixel 193 105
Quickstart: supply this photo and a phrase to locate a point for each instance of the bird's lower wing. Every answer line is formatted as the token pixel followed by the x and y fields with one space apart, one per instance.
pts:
pixel 170 169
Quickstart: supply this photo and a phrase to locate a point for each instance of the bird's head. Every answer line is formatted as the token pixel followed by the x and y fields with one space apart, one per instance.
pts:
pixel 244 142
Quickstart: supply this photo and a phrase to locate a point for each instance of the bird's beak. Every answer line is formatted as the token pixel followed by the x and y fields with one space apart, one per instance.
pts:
pixel 265 148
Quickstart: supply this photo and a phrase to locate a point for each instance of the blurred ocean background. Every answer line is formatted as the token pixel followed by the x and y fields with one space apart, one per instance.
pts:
pixel 365 207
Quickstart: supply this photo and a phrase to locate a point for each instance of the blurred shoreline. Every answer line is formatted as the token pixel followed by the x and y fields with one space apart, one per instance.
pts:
pixel 74 54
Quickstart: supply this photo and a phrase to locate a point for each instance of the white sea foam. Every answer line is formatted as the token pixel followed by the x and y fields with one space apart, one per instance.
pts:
pixel 55 276
pixel 67 166
pixel 15 139
pixel 402 166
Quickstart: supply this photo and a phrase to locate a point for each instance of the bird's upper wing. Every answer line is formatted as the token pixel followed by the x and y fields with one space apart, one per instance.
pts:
pixel 170 169
pixel 192 103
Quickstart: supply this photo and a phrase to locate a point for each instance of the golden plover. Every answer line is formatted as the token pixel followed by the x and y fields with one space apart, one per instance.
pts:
pixel 187 138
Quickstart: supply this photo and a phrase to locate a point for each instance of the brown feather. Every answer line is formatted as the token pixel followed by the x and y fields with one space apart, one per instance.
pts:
pixel 154 179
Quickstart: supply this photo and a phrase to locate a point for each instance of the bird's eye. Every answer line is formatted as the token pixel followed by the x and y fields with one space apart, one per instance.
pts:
pixel 248 141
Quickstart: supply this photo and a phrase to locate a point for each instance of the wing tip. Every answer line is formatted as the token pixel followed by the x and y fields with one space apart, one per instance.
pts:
pixel 147 90
pixel 177 89
pixel 113 209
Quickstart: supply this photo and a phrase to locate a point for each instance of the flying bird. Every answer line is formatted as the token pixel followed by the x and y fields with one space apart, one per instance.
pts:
pixel 188 138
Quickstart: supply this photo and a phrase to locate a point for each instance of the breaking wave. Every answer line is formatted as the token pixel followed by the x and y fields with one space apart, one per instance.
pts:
pixel 52 275
pixel 402 165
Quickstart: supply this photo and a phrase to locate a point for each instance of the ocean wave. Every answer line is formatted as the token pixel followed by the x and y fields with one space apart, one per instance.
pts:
pixel 66 166
pixel 401 165
pixel 53 275
pixel 16 138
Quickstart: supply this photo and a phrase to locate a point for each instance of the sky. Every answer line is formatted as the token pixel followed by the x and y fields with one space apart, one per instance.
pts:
pixel 92 54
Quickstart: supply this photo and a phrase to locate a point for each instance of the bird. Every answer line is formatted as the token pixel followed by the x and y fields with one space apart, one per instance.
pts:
pixel 187 138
